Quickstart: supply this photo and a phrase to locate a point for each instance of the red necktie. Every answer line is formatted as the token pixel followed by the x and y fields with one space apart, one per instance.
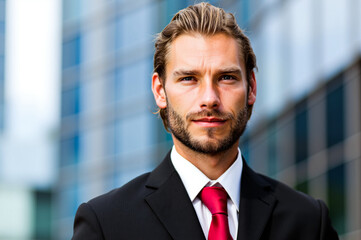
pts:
pixel 215 198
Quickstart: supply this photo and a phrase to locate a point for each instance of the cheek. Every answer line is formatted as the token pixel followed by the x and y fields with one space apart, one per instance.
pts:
pixel 235 100
pixel 181 103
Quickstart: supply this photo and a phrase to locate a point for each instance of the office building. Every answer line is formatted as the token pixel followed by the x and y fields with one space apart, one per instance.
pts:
pixel 305 129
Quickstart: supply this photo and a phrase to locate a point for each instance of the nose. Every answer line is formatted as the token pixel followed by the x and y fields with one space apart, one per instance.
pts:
pixel 209 96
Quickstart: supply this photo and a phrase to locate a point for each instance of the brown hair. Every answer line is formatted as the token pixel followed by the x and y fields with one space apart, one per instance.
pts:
pixel 205 19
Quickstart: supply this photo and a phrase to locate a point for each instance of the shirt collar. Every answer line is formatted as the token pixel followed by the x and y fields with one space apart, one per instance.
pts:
pixel 194 180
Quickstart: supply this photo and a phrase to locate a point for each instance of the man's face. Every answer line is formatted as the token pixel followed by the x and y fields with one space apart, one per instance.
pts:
pixel 205 92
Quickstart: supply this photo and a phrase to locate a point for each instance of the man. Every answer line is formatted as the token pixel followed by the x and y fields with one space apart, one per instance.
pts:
pixel 205 87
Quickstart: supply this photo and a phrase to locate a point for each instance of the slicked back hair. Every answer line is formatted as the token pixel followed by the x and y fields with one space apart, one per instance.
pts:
pixel 208 20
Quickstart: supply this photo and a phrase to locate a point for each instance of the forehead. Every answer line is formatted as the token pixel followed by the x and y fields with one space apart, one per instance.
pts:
pixel 200 51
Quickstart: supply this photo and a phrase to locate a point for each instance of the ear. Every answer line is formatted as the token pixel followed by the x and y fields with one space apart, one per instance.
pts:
pixel 158 91
pixel 252 89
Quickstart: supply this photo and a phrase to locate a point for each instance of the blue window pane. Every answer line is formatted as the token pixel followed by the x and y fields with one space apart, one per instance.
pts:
pixel 137 27
pixel 112 139
pixel 69 151
pixel 335 114
pixel 113 89
pixel 135 132
pixel 70 102
pixel 135 79
pixel 72 52
pixel 301 132
pixel 336 197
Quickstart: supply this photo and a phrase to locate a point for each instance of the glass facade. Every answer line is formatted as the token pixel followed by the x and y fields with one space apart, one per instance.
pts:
pixel 308 148
pixel 313 76
pixel 109 133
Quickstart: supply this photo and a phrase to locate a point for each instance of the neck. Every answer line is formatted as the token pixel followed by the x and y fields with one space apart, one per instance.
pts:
pixel 212 165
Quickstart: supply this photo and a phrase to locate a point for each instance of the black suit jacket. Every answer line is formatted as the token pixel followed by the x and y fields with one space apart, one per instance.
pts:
pixel 156 206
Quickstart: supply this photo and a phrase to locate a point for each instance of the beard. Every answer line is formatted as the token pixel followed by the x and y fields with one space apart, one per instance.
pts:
pixel 212 145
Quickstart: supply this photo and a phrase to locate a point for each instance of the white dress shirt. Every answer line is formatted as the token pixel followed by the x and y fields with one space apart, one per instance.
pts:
pixel 194 181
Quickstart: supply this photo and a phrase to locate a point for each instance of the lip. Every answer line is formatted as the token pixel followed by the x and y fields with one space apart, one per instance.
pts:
pixel 209 122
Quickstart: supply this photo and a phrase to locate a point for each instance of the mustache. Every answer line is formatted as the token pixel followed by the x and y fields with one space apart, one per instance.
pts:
pixel 209 113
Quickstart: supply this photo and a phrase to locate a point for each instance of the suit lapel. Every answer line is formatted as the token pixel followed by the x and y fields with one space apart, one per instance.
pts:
pixel 171 204
pixel 256 205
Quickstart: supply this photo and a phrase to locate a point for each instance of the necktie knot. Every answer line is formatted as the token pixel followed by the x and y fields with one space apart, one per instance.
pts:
pixel 215 198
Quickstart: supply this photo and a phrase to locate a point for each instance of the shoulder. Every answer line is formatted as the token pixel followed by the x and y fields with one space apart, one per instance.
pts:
pixel 294 209
pixel 290 198
pixel 256 184
pixel 300 213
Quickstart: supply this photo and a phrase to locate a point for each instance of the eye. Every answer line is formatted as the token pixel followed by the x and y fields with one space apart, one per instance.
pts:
pixel 228 77
pixel 188 79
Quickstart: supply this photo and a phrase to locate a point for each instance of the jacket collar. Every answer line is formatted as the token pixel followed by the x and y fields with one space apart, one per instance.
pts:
pixel 256 205
pixel 171 204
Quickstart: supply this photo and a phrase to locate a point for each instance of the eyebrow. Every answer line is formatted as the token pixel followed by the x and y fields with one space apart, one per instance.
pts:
pixel 185 72
pixel 231 70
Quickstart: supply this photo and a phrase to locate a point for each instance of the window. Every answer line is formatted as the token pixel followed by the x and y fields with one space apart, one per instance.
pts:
pixel 113 88
pixel 336 197
pixel 112 138
pixel 135 79
pixel 301 132
pixel 135 132
pixel 136 28
pixel 70 101
pixel 43 209
pixel 72 52
pixel 69 150
pixel 335 113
